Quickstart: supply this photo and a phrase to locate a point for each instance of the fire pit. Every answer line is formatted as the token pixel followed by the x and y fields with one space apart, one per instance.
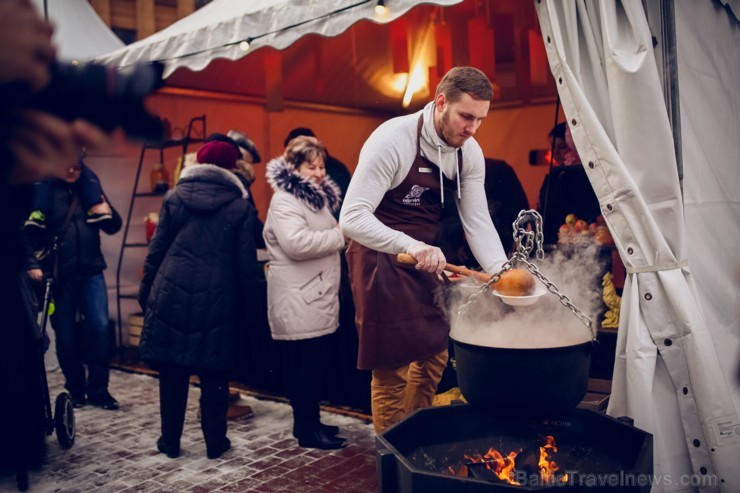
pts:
pixel 463 449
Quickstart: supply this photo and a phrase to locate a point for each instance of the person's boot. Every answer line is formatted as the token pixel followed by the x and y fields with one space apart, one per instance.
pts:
pixel 319 439
pixel 330 430
pixel 78 400
pixel 215 451
pixel 104 400
pixel 171 451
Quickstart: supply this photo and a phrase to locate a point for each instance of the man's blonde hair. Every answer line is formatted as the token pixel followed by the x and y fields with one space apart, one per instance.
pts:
pixel 468 80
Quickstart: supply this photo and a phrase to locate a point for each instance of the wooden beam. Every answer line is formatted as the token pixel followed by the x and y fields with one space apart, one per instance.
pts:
pixel 443 39
pixel 102 7
pixel 481 48
pixel 185 8
pixel 400 46
pixel 145 19
pixel 274 80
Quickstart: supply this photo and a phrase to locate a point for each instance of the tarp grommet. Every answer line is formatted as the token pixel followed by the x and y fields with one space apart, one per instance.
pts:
pixel 685 391
pixel 648 296
pixel 591 164
pixel 668 342
pixel 696 442
pixel 630 250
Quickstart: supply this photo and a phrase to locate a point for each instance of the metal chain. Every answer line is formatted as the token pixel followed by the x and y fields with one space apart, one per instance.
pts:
pixel 526 241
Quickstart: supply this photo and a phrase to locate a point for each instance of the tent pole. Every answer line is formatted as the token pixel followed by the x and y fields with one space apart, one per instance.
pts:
pixel 46 10
pixel 670 78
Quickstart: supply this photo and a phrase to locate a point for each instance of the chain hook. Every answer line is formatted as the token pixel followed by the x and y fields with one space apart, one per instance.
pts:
pixel 526 241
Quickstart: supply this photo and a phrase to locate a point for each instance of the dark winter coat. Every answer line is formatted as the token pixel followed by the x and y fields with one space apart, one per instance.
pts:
pixel 79 251
pixel 198 272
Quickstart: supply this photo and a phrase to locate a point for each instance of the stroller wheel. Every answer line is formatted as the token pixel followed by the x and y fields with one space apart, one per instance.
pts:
pixel 64 420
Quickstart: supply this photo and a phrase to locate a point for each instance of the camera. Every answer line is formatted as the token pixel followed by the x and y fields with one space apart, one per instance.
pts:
pixel 101 94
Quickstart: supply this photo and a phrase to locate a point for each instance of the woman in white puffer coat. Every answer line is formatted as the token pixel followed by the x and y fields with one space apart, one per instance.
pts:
pixel 304 242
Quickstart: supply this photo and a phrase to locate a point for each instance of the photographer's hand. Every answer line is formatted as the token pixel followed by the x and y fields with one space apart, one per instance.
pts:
pixel 25 45
pixel 42 144
pixel 36 275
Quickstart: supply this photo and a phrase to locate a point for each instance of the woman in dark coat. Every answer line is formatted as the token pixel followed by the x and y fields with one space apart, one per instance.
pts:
pixel 198 271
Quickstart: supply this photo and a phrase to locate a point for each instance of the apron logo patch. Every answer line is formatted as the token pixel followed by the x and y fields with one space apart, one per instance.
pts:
pixel 414 195
pixel 425 170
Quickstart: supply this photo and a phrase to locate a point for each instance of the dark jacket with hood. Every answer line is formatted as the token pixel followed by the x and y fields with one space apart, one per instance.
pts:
pixel 79 251
pixel 198 272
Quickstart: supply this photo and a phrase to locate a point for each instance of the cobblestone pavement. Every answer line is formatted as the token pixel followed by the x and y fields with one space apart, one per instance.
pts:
pixel 115 451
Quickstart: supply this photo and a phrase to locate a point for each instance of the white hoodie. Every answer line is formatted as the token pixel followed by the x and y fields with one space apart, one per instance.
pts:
pixel 386 159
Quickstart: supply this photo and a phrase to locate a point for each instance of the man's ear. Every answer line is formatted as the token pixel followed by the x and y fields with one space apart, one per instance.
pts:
pixel 440 101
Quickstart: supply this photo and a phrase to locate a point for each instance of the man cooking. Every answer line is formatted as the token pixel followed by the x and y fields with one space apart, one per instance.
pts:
pixel 408 169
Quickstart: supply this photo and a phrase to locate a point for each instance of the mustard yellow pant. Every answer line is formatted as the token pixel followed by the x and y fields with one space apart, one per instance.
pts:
pixel 397 392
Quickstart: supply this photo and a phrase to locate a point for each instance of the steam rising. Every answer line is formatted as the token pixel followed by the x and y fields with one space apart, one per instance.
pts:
pixel 547 323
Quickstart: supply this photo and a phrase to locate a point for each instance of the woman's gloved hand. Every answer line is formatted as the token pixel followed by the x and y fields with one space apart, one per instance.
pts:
pixel 429 258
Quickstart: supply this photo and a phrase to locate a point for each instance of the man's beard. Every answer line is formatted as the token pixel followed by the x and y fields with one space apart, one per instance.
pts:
pixel 450 138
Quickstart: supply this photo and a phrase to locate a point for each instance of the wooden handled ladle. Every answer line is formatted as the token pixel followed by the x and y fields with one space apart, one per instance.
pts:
pixel 539 290
pixel 405 258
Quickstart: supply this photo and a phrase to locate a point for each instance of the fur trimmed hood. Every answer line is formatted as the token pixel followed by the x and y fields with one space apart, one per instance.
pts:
pixel 207 187
pixel 280 176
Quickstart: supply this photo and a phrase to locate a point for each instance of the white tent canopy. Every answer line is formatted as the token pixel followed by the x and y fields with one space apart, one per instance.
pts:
pixel 667 375
pixel 219 29
pixel 80 33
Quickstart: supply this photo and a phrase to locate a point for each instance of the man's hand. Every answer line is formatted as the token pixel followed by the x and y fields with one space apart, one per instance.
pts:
pixel 25 45
pixel 36 275
pixel 42 144
pixel 428 258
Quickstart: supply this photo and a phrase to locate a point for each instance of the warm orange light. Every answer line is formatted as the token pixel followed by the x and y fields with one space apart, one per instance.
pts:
pixel 416 82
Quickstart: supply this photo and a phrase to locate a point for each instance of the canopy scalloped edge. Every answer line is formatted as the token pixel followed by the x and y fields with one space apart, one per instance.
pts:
pixel 193 42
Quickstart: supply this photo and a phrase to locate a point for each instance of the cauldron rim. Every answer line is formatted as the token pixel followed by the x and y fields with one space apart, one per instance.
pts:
pixel 555 349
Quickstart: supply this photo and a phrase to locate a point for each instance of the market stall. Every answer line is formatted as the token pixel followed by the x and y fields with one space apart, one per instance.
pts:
pixel 342 87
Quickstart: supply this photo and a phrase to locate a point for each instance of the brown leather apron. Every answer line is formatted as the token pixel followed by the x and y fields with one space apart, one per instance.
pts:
pixel 399 311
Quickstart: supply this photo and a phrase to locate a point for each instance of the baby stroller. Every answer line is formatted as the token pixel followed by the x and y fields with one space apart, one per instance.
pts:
pixel 61 419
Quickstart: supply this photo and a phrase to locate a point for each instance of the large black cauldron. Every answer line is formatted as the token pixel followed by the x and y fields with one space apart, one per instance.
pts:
pixel 530 381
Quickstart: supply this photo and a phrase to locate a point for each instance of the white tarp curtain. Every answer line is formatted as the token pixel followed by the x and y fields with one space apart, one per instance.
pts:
pixel 80 33
pixel 667 374
pixel 708 72
pixel 197 39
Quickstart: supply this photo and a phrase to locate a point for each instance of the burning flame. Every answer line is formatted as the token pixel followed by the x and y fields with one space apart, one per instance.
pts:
pixel 504 466
pixel 547 466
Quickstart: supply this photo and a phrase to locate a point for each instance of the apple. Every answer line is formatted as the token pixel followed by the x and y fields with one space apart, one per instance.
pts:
pixel 603 236
pixel 592 228
pixel 601 221
pixel 571 219
pixel 564 229
pixel 580 225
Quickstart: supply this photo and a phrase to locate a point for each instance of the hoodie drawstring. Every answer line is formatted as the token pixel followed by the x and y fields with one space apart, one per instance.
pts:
pixel 457 167
pixel 441 180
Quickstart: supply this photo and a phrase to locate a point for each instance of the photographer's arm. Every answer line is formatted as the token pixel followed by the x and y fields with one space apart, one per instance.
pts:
pixel 42 144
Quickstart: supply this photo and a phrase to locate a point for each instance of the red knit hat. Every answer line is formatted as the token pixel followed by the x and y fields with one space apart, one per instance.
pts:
pixel 221 154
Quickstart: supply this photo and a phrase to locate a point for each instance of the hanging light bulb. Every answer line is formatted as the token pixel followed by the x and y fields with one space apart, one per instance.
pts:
pixel 380 9
pixel 244 45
